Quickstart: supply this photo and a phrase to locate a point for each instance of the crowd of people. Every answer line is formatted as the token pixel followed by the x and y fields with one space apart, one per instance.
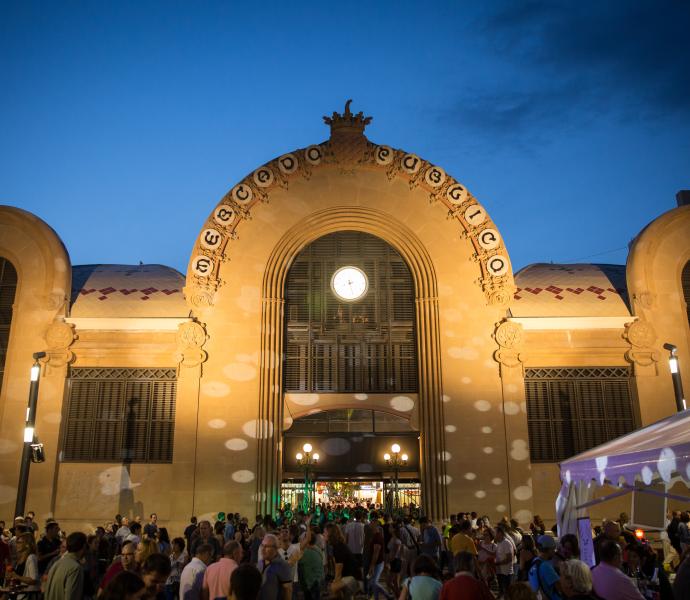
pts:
pixel 342 552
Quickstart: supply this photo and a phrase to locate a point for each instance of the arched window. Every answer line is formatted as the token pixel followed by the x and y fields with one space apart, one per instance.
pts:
pixel 354 332
pixel 8 288
pixel 685 283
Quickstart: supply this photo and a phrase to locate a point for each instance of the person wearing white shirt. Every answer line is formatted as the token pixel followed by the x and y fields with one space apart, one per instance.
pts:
pixel 192 577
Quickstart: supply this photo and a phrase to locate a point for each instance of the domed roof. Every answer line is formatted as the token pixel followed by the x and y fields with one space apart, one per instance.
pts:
pixel 577 290
pixel 127 291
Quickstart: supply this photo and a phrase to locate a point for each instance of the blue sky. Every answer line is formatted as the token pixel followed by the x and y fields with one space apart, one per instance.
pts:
pixel 123 123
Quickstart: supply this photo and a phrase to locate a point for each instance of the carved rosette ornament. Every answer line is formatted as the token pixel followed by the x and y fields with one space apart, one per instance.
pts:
pixel 509 337
pixel 191 336
pixel 641 337
pixel 347 149
pixel 59 336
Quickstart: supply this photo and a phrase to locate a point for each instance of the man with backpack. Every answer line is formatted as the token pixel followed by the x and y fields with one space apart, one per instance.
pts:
pixel 542 577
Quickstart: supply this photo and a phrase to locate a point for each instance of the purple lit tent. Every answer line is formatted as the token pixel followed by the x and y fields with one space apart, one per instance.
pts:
pixel 657 453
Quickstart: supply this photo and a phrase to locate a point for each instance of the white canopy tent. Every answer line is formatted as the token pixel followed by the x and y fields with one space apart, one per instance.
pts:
pixel 658 452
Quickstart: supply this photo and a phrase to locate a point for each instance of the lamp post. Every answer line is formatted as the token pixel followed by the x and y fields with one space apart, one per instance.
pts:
pixel 306 461
pixel 675 376
pixel 395 461
pixel 30 446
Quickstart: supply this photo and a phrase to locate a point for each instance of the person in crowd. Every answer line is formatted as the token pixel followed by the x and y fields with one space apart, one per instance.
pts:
pixel 672 531
pixel 347 573
pixel 154 573
pixel 145 548
pixel 542 576
pixel 684 531
pixel 681 584
pixel 310 569
pixel 124 586
pixel 25 568
pixel 178 560
pixel 505 558
pixel 486 556
pixel 462 541
pixel 192 576
pixel 527 554
pixel 354 536
pixel 537 526
pixel 576 580
pixel 151 528
pixel 276 577
pixel 520 590
pixel 216 581
pixel 377 553
pixel 134 533
pixel 610 531
pixel 431 539
pixel 190 530
pixel 205 537
pixel 465 585
pixel 425 584
pixel 66 576
pixel 126 563
pixel 245 583
pixel 610 583
pixel 123 531
pixel 394 558
pixel 48 547
pixel 568 547
pixel 163 540
pixel 255 544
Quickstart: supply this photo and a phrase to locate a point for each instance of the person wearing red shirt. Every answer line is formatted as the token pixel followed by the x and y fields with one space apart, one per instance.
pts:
pixel 465 585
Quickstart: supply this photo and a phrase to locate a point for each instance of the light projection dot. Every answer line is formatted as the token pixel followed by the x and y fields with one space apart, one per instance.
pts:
pixel 361 397
pixel 236 444
pixel 287 422
pixel 497 481
pixel 259 429
pixel 463 353
pixel 466 380
pixel 335 446
pixel 215 389
pixel 445 398
pixel 239 371
pixel 243 476
pixel 487 429
pixel 451 428
pixel 511 387
pixel 522 492
pixel 482 405
pixel 480 494
pixel 647 475
pixel 402 403
pixel 445 455
pixel 519 450
pixel 666 464
pixel 501 508
pixel 511 408
pixel 445 479
pixel 523 515
pixel 305 399
pixel 217 423
pixel 470 476
pixel 487 450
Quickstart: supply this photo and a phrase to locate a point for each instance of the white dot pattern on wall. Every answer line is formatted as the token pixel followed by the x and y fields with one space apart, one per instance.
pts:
pixel 451 428
pixel 486 429
pixel 487 450
pixel 497 481
pixel 480 494
pixel 522 492
pixel 243 476
pixel 217 423
pixel 501 508
pixel 236 444
pixel 482 405
pixel 470 476
pixel 258 429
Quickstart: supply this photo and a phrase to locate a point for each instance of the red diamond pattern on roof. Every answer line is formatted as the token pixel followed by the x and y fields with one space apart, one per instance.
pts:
pixel 557 292
pixel 85 292
pixel 597 291
pixel 168 292
pixel 127 292
pixel 107 292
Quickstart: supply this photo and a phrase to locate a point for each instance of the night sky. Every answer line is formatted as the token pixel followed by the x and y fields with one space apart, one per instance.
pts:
pixel 123 123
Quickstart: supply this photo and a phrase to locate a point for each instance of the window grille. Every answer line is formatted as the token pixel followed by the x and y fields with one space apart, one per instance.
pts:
pixel 8 288
pixel 120 415
pixel 572 409
pixel 362 346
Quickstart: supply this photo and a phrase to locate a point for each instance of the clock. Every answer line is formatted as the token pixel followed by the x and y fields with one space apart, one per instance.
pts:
pixel 349 283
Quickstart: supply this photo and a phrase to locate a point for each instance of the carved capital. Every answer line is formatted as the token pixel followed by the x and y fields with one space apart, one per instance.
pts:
pixel 641 336
pixel 59 336
pixel 200 297
pixel 509 337
pixel 191 336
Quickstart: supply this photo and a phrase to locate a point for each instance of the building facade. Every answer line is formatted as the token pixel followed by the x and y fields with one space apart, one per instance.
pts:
pixel 349 295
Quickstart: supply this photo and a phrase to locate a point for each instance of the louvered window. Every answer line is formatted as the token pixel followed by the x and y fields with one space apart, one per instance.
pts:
pixel 120 415
pixel 685 283
pixel 8 288
pixel 363 346
pixel 570 410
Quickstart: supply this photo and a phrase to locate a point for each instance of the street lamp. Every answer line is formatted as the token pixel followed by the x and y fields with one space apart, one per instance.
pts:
pixel 395 461
pixel 32 450
pixel 306 461
pixel 675 376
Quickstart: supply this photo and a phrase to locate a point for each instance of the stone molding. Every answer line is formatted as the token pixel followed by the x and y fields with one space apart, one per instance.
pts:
pixel 641 336
pixel 191 337
pixel 59 336
pixel 510 338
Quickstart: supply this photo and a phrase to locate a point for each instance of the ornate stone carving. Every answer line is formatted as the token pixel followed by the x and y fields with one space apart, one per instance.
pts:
pixel 59 336
pixel 641 337
pixel 509 337
pixel 191 336
pixel 645 299
pixel 200 296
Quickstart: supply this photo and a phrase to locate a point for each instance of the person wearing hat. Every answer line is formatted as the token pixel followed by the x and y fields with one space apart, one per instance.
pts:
pixel 542 577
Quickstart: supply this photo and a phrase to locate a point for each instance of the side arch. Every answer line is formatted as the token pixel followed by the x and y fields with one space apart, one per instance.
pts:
pixel 431 420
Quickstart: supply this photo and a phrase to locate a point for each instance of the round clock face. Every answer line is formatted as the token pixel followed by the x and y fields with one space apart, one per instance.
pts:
pixel 349 283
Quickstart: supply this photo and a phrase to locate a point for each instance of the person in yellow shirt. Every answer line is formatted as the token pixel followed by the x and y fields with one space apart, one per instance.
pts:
pixel 462 541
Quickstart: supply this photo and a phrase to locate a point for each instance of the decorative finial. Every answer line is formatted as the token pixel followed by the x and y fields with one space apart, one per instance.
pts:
pixel 347 121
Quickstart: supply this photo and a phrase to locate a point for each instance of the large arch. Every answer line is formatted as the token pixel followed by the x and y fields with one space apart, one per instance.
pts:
pixel 430 412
